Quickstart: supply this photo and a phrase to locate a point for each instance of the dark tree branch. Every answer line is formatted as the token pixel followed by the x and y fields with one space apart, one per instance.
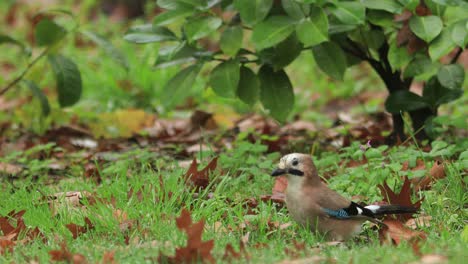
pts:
pixel 457 55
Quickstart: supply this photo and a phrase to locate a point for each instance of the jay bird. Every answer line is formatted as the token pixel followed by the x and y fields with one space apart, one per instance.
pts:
pixel 311 203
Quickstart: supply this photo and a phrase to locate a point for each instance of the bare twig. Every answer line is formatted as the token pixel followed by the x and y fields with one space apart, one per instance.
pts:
pixel 25 71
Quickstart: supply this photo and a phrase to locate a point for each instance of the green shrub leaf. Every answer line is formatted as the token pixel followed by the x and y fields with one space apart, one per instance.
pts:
pixel 231 40
pixel 170 16
pixel 175 54
pixel 276 92
pixel 442 45
pixel 451 76
pixel 47 32
pixel 350 13
pixel 419 66
pixel 39 94
pixel 391 6
pixel 314 30
pixel 398 56
pixel 272 31
pixel 148 33
pixel 459 33
pixel 331 59
pixel 253 11
pixel 248 89
pixel 426 28
pixel 68 78
pixel 224 78
pixel 178 86
pixel 282 54
pixel 404 100
pixel 435 94
pixel 201 27
pixel 294 9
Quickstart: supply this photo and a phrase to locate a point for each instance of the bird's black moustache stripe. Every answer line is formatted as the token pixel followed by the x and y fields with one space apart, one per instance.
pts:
pixel 296 172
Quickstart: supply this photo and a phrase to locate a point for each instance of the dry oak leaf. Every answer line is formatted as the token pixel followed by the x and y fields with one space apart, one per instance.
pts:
pixel 437 172
pixel 196 249
pixel 63 254
pixel 310 260
pixel 77 230
pixel 200 179
pixel 402 198
pixel 395 231
pixel 7 243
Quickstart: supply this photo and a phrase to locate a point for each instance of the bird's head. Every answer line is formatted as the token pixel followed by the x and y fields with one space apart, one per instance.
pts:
pixel 296 166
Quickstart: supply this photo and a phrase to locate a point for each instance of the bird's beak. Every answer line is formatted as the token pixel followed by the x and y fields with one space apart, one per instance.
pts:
pixel 278 172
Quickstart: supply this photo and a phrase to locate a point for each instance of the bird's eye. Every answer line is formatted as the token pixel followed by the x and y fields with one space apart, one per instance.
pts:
pixel 295 162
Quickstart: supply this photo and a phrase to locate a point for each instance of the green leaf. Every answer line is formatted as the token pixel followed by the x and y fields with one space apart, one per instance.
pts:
pixel 380 18
pixel 404 100
pixel 426 28
pixel 459 33
pixel 420 65
pixel 295 9
pixel 253 11
pixel 177 87
pixel 167 17
pixel 442 45
pixel 398 56
pixel 350 13
pixel 148 33
pixel 331 59
pixel 451 76
pixel 173 4
pixel 276 92
pixel 201 27
pixel 108 48
pixel 282 54
pixel 231 40
pixel 272 31
pixel 391 6
pixel 435 94
pixel 47 32
pixel 68 78
pixel 248 89
pixel 39 94
pixel 224 78
pixel 372 39
pixel 8 39
pixel 314 30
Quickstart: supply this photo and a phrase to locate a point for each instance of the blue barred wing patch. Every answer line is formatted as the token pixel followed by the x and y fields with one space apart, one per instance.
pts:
pixel 341 213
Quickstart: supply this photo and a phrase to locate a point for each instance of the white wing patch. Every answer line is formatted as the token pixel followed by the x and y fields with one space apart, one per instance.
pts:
pixel 373 208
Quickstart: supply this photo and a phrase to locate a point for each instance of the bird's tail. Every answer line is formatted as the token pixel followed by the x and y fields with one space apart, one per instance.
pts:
pixel 390 209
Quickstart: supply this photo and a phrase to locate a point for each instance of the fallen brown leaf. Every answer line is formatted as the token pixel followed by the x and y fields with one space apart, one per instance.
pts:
pixel 432 259
pixel 10 169
pixel 200 179
pixel 420 221
pixel 403 198
pixel 63 254
pixel 196 249
pixel 77 230
pixel 437 172
pixel 395 231
pixel 310 260
pixel 108 258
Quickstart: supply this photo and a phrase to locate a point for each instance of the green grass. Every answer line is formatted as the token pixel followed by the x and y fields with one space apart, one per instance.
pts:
pixel 240 179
